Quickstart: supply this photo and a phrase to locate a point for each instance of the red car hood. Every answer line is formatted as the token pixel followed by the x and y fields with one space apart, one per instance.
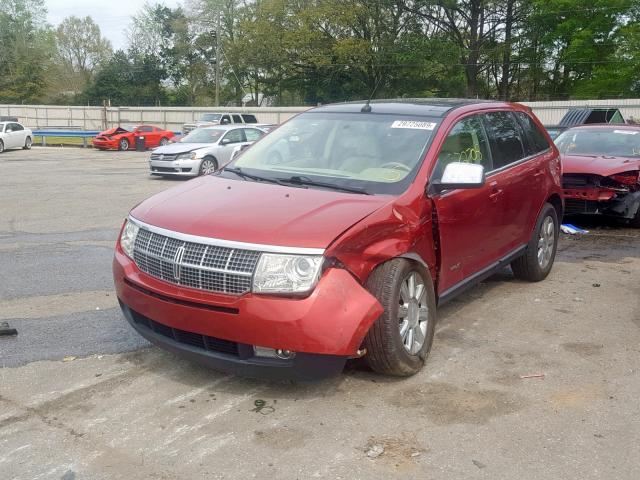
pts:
pixel 257 212
pixel 604 166
pixel 114 131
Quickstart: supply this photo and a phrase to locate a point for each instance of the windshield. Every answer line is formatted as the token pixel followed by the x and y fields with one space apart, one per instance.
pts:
pixel 210 117
pixel 372 152
pixel 609 142
pixel 203 135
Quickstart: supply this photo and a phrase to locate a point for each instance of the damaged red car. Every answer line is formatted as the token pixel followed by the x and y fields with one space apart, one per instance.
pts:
pixel 339 234
pixel 601 171
pixel 123 137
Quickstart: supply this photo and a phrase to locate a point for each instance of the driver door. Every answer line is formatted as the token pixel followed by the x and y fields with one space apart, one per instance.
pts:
pixel 231 139
pixel 468 219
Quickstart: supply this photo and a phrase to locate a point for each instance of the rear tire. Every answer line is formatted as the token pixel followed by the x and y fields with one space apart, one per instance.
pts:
pixel 407 307
pixel 209 165
pixel 27 143
pixel 537 261
pixel 123 145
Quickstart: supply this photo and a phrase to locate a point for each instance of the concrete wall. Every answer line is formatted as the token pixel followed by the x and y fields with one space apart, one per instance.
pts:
pixel 98 118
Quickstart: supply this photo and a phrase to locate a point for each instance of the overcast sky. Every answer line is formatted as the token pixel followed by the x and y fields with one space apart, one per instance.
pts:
pixel 111 15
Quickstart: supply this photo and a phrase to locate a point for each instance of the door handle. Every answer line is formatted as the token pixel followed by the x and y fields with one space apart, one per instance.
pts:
pixel 495 191
pixel 539 173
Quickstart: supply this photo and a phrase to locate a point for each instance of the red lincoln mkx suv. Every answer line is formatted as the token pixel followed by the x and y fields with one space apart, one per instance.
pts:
pixel 338 234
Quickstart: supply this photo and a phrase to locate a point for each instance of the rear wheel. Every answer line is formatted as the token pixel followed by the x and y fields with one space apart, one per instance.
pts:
pixel 208 165
pixel 538 258
pixel 27 143
pixel 399 341
pixel 123 144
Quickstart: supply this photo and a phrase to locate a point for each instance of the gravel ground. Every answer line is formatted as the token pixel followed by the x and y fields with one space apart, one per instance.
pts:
pixel 82 396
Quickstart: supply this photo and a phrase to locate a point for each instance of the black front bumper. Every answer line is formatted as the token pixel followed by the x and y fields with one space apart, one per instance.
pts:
pixel 231 357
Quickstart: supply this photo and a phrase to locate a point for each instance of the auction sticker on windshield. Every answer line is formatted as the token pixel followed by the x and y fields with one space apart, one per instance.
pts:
pixel 413 124
pixel 625 132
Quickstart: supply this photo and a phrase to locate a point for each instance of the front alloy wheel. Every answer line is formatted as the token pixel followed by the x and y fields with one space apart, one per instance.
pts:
pixel 208 166
pixel 399 341
pixel 124 144
pixel 413 313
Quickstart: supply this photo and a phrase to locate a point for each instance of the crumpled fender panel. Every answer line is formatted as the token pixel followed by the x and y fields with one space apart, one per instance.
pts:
pixel 396 230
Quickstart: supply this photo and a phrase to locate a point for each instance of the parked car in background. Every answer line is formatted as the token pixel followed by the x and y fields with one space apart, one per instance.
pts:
pixel 210 119
pixel 202 151
pixel 123 137
pixel 585 116
pixel 14 135
pixel 601 171
pixel 374 214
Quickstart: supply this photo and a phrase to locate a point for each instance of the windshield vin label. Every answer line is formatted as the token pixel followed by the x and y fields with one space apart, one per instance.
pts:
pixel 413 124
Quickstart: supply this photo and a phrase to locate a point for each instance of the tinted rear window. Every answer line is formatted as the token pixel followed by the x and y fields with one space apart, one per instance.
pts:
pixel 506 142
pixel 250 118
pixel 538 141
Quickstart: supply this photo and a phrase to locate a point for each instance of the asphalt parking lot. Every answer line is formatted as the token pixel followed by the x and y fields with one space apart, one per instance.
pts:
pixel 82 396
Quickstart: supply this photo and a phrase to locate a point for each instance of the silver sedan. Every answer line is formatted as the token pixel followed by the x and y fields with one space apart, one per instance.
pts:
pixel 203 150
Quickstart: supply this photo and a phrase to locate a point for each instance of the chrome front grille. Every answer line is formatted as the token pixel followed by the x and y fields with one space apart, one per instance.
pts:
pixel 195 265
pixel 163 157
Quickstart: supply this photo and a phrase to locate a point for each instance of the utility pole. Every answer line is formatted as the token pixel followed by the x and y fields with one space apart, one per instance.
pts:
pixel 218 55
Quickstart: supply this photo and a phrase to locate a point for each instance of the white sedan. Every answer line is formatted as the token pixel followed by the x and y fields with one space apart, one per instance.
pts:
pixel 14 135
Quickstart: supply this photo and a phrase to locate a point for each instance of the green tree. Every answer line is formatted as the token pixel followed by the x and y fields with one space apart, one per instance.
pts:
pixel 28 45
pixel 82 49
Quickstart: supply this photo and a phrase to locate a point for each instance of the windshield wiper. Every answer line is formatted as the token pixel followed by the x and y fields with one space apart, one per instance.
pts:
pixel 238 171
pixel 303 180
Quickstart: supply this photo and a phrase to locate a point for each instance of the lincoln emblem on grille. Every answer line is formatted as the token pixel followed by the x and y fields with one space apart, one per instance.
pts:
pixel 177 259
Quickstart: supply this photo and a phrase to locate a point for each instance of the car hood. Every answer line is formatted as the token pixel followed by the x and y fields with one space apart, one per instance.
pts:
pixel 114 131
pixel 255 212
pixel 604 166
pixel 178 147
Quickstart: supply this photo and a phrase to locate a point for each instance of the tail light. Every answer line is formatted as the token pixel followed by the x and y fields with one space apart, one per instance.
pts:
pixel 627 178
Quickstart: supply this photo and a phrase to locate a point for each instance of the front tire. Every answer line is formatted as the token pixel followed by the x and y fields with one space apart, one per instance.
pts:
pixel 1 146
pixel 27 143
pixel 538 258
pixel 208 165
pixel 123 145
pixel 399 341
pixel 635 221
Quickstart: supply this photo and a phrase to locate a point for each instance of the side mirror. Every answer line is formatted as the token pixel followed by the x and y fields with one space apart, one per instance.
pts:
pixel 460 175
pixel 8 130
pixel 225 141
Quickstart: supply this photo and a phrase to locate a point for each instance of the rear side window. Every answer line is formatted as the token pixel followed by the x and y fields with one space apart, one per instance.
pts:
pixel 253 134
pixel 506 140
pixel 237 119
pixel 537 140
pixel 145 128
pixel 249 118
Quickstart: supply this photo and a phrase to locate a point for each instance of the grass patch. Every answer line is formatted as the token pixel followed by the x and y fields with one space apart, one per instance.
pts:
pixel 61 140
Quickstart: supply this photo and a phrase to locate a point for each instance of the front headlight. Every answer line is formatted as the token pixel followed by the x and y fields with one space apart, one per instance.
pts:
pixel 185 156
pixel 128 237
pixel 280 273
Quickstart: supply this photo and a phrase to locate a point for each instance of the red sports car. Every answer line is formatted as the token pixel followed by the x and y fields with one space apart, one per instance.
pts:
pixel 123 137
pixel 601 171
